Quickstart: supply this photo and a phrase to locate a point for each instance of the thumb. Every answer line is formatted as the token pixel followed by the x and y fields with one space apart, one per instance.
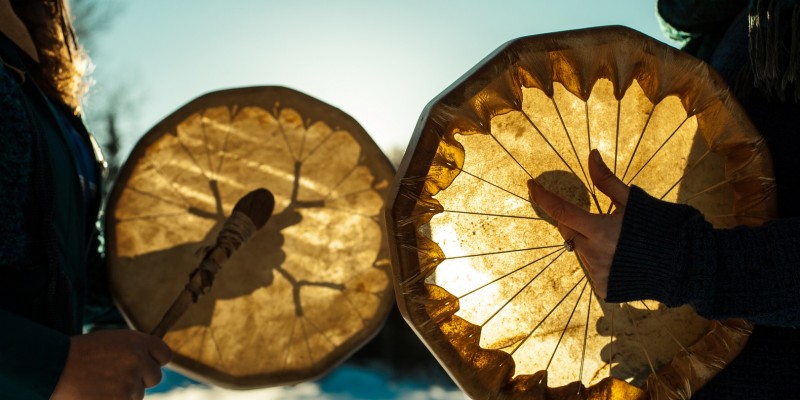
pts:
pixel 606 181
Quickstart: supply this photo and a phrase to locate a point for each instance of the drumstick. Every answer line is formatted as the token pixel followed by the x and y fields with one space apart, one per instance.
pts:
pixel 249 214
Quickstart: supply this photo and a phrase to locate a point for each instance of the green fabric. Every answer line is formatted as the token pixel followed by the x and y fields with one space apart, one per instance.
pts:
pixel 15 171
pixel 70 219
pixel 32 355
pixel 43 290
pixel 31 358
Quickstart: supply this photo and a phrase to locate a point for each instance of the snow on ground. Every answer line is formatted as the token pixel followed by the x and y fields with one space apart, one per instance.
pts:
pixel 345 383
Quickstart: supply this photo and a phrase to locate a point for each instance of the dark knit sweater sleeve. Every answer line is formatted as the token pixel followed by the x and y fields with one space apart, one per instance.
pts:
pixel 668 252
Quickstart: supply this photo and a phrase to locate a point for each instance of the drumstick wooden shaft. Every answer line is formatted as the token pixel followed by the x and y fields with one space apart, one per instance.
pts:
pixel 249 214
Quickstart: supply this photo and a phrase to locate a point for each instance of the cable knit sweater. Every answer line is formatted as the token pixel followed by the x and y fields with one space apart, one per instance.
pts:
pixel 668 252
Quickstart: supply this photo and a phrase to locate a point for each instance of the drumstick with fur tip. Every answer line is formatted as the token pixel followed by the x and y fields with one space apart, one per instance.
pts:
pixel 249 214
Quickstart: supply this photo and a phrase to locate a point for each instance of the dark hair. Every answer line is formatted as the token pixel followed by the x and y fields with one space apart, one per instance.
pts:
pixel 774 47
pixel 59 73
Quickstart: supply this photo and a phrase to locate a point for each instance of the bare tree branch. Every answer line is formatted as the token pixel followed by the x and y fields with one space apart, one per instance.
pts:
pixel 92 17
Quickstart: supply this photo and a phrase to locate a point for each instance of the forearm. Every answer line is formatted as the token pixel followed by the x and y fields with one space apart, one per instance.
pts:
pixel 758 273
pixel 669 253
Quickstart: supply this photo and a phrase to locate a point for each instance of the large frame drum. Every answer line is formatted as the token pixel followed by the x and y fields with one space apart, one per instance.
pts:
pixel 484 278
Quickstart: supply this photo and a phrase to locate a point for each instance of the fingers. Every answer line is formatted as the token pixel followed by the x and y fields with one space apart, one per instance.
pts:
pixel 582 246
pixel 159 350
pixel 596 277
pixel 606 181
pixel 111 364
pixel 160 354
pixel 594 237
pixel 566 232
pixel 570 234
pixel 137 391
pixel 151 374
pixel 562 211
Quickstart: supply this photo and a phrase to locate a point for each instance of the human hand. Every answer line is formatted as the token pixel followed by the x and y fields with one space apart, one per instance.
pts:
pixel 594 236
pixel 109 365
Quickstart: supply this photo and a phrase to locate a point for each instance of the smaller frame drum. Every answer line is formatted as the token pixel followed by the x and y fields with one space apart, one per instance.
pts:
pixel 310 288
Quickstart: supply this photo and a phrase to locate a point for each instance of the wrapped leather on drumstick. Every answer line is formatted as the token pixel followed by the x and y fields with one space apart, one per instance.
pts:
pixel 249 214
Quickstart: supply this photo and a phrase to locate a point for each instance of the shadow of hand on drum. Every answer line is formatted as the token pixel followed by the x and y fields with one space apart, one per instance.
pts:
pixel 644 336
pixel 251 268
pixel 567 186
pixel 165 273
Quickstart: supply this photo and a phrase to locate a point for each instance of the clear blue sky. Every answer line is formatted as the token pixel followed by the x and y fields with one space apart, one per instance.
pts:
pixel 379 61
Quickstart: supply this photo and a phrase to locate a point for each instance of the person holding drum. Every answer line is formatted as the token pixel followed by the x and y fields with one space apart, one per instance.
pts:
pixel 50 175
pixel 650 249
